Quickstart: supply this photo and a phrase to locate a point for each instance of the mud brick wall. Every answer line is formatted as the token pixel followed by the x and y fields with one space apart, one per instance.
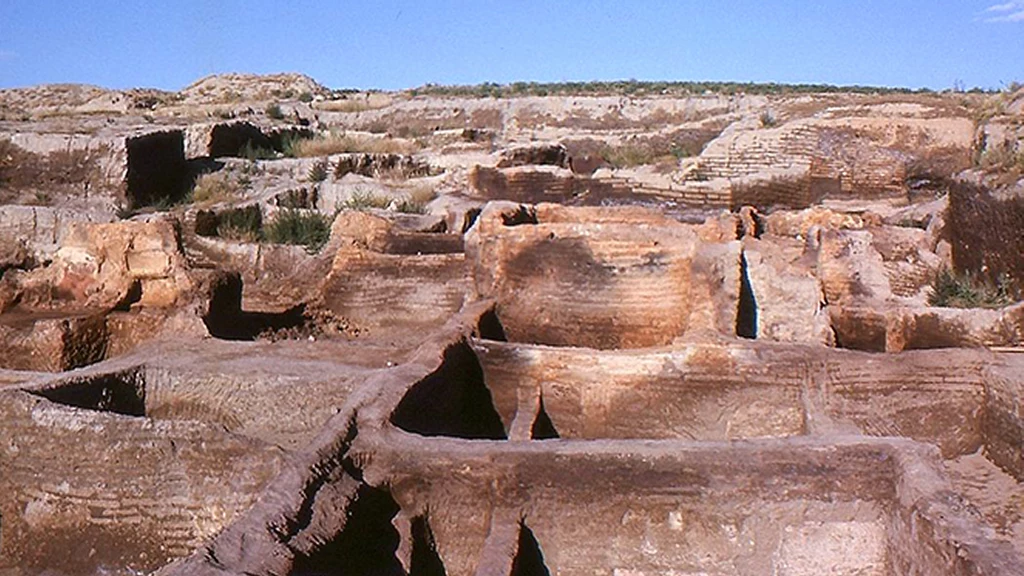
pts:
pixel 695 193
pixel 787 192
pixel 605 286
pixel 701 393
pixel 863 166
pixel 749 153
pixel 987 234
pixel 718 393
pixel 908 278
pixel 375 290
pixel 114 491
pixel 1004 418
pixel 620 508
pixel 535 186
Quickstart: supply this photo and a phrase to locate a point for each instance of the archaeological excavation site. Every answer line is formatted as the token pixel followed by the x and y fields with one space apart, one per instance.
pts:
pixel 262 327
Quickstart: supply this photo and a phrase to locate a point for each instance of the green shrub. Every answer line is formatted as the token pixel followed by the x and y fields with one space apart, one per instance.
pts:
pixel 409 206
pixel 319 170
pixel 364 200
pixel 274 111
pixel 493 90
pixel 253 153
pixel 952 290
pixel 629 155
pixel 212 188
pixel 241 224
pixel 306 97
pixel 299 227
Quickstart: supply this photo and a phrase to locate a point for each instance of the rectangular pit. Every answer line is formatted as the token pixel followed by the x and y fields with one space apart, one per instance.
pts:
pixel 89 491
pixel 738 391
pixel 846 507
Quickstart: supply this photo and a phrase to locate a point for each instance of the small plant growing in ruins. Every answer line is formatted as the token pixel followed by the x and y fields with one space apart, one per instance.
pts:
pixel 274 111
pixel 408 206
pixel 42 198
pixel 245 224
pixel 952 290
pixel 628 155
pixel 365 200
pixel 419 198
pixel 319 170
pixel 338 143
pixel 1002 157
pixel 213 188
pixel 306 97
pixel 253 153
pixel 300 227
pixel 768 119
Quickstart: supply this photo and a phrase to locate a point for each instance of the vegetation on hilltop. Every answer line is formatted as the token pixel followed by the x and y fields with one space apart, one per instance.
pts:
pixel 638 87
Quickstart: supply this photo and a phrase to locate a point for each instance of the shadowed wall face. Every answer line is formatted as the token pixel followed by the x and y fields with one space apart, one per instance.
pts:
pixel 157 169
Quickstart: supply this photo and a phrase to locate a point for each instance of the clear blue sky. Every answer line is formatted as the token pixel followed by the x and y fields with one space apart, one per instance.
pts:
pixel 401 44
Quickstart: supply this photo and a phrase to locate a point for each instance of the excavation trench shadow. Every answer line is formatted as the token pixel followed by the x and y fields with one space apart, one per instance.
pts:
pixel 543 428
pixel 227 321
pixel 425 560
pixel 746 312
pixel 366 546
pixel 489 327
pixel 121 393
pixel 529 560
pixel 452 401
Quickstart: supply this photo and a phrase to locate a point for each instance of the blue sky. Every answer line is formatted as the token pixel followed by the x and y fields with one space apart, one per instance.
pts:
pixel 400 44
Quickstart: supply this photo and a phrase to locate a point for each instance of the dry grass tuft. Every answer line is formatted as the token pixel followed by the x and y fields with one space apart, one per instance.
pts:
pixel 214 188
pixel 366 200
pixel 416 201
pixel 350 105
pixel 342 143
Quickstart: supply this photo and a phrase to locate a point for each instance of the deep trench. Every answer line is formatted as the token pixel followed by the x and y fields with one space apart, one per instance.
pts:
pixel 236 139
pixel 366 546
pixel 232 139
pixel 529 559
pixel 425 560
pixel 452 401
pixel 746 312
pixel 489 327
pixel 543 428
pixel 523 215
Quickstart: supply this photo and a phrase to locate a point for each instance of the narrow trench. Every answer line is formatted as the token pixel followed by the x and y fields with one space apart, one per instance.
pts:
pixel 119 392
pixel 452 401
pixel 366 546
pixel 470 219
pixel 543 428
pixel 529 559
pixel 489 327
pixel 746 313
pixel 425 560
